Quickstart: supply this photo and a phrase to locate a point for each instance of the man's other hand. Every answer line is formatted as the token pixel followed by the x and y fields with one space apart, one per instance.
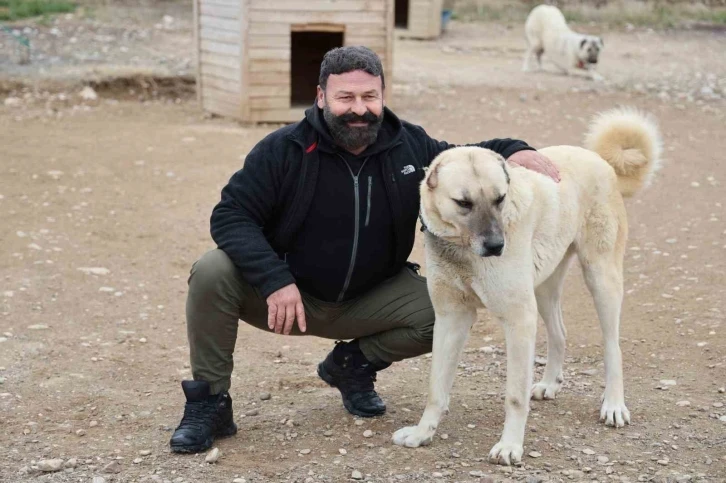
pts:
pixel 283 308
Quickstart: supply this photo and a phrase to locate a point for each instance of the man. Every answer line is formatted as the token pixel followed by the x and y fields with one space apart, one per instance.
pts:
pixel 316 228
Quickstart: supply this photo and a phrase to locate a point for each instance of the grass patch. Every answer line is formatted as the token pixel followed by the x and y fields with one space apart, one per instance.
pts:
pixel 17 9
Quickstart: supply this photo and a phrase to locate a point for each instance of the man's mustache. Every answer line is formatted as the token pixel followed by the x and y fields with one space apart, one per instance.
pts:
pixel 368 117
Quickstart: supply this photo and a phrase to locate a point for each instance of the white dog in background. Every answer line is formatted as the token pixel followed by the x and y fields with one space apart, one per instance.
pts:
pixel 547 33
pixel 503 238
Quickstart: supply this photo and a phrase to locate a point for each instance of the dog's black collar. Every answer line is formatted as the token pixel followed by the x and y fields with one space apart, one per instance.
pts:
pixel 423 228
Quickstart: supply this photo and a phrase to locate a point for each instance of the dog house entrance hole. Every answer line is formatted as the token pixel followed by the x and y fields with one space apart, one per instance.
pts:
pixel 401 14
pixel 308 46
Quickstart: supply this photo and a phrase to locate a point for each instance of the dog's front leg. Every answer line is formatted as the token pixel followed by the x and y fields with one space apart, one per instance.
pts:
pixel 595 76
pixel 450 333
pixel 520 327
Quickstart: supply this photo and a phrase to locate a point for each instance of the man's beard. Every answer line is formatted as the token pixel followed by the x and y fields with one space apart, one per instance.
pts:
pixel 353 137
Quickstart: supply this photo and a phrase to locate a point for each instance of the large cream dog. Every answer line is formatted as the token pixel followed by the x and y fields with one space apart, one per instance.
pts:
pixel 503 238
pixel 547 32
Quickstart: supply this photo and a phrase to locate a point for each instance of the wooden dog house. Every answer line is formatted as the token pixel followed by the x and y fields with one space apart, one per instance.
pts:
pixel 259 60
pixel 420 19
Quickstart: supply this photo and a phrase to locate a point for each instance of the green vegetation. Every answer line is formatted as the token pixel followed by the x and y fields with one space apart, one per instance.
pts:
pixel 17 9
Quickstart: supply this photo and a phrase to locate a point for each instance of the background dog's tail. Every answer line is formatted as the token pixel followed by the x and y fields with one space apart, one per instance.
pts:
pixel 630 142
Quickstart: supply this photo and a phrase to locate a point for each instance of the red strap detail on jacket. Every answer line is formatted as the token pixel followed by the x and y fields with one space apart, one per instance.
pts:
pixel 311 148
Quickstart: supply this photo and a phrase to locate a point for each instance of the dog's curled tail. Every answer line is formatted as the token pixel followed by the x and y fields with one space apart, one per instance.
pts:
pixel 630 142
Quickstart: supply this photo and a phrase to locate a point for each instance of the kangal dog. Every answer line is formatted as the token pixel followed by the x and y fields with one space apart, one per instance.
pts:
pixel 503 237
pixel 547 33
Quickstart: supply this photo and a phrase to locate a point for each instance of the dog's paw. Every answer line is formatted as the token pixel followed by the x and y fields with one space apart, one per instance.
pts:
pixel 506 454
pixel 412 437
pixel 614 414
pixel 543 390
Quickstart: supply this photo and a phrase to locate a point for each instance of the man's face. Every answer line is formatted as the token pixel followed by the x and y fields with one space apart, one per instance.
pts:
pixel 352 105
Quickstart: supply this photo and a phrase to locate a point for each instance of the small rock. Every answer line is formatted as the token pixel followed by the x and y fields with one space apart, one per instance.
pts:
pixel 436 474
pixel 13 101
pixel 534 454
pixel 50 466
pixel 718 404
pixel 305 451
pixel 663 462
pixel 252 412
pixel 93 424
pixel 476 473
pixel 112 467
pixel 138 460
pixel 88 94
pixel 265 396
pixel 722 390
pixel 367 433
pixel 533 479
pixel 668 382
pixel 212 456
pixel 540 361
pixel 356 475
pixel 683 403
pixel 38 327
pixel 343 451
pixel 80 432
pixel 359 422
pixel 602 459
pixel 328 433
pixel 94 270
pixel 588 372
pixel 588 451
pixel 71 463
pixel 99 479
pixel 239 480
pixel 444 436
pixel 145 452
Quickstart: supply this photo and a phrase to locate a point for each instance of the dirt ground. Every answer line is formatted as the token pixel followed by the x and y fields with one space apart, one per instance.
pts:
pixel 91 360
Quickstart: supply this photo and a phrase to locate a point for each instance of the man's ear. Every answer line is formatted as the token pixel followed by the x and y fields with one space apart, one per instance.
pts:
pixel 321 97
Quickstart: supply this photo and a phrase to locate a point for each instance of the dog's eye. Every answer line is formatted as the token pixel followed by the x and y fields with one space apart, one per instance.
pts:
pixel 464 203
pixel 500 200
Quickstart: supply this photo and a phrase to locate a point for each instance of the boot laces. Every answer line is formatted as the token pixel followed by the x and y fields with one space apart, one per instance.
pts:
pixel 199 414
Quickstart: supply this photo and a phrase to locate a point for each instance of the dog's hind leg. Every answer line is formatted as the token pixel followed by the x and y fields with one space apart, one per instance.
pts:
pixel 520 328
pixel 549 295
pixel 450 333
pixel 604 278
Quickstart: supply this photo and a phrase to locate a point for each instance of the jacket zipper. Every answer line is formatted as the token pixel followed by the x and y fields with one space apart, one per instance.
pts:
pixel 368 208
pixel 357 226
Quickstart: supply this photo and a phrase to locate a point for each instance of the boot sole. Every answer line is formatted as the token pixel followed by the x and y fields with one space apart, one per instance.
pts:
pixel 325 376
pixel 198 448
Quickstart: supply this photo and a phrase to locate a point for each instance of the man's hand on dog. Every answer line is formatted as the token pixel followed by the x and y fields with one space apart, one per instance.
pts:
pixel 536 162
pixel 283 308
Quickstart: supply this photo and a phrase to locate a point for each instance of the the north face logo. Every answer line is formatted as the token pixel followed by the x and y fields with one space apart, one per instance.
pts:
pixel 408 169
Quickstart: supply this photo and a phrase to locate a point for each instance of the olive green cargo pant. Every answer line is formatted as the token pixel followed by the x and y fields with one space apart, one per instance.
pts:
pixel 393 321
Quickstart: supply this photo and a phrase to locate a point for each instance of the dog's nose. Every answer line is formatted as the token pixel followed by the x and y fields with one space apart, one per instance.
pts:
pixel 493 248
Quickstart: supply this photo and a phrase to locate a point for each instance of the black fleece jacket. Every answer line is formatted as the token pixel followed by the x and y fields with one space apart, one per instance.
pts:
pixel 289 215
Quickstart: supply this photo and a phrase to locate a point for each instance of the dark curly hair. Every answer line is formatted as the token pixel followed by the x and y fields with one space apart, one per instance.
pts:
pixel 347 59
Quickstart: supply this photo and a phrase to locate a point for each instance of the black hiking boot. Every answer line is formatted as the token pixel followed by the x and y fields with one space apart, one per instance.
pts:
pixel 205 417
pixel 347 369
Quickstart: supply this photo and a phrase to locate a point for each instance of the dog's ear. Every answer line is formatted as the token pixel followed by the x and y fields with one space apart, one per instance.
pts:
pixel 602 42
pixel 583 42
pixel 433 180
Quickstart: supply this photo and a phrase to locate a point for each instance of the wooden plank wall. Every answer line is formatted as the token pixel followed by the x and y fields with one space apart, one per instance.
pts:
pixel 424 19
pixel 220 38
pixel 270 22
